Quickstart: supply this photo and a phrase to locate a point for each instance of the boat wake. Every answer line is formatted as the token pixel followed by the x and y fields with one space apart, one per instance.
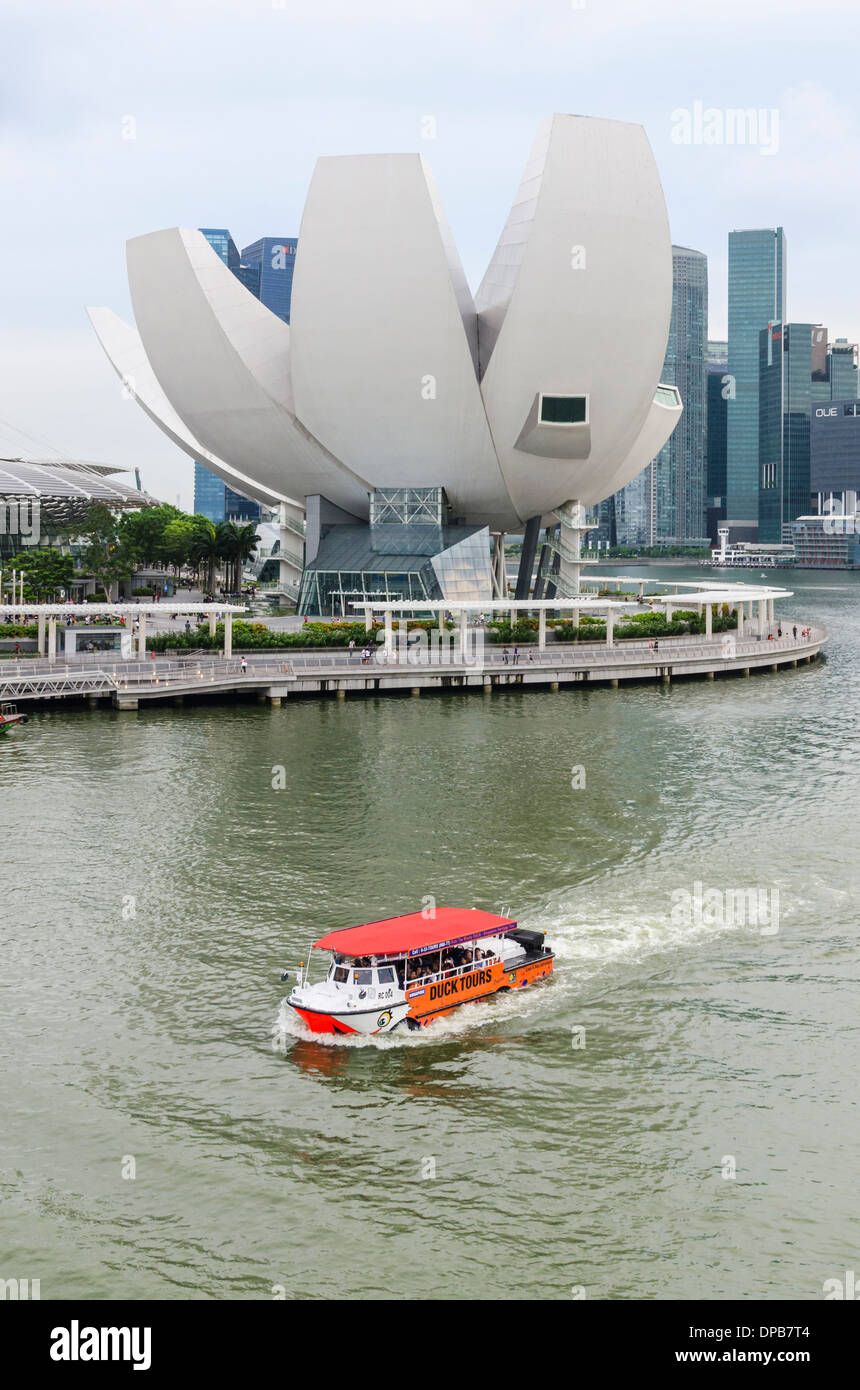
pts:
pixel 598 949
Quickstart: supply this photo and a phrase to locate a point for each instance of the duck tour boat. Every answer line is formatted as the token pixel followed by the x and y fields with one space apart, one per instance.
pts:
pixel 407 971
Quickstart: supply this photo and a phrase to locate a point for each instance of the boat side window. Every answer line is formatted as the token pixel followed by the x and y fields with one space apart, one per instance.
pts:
pixel 362 977
pixel 341 974
pixel 386 974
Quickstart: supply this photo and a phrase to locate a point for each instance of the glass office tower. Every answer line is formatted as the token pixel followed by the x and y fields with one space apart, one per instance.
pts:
pixel 666 502
pixel 757 277
pixel 715 481
pixel 785 400
pixel 274 260
pixel 834 368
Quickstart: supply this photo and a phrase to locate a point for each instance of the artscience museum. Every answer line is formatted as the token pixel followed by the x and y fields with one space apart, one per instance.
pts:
pixel 401 426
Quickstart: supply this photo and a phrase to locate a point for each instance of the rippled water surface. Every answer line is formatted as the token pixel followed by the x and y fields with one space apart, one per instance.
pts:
pixel 154 885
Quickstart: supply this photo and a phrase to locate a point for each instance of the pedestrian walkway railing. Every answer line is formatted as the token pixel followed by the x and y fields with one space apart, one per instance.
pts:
pixel 190 669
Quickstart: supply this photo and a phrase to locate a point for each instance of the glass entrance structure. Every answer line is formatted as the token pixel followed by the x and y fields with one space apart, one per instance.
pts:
pixel 406 551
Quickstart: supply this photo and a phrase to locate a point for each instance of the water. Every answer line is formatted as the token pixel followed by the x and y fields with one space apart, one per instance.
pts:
pixel 155 885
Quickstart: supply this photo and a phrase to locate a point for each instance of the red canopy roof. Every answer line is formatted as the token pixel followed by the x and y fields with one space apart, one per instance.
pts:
pixel 414 932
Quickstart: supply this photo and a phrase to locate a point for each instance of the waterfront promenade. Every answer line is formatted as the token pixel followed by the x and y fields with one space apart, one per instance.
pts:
pixel 277 677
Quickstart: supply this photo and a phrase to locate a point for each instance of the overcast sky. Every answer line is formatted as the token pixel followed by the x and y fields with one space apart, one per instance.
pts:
pixel 231 101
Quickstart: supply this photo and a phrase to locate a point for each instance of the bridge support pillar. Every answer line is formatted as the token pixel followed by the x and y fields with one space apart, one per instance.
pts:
pixel 416 690
pixel 553 685
pixel 126 702
pixel 275 701
pixel 614 683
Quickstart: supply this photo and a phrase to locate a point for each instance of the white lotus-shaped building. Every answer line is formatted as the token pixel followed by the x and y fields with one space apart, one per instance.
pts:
pixel 537 396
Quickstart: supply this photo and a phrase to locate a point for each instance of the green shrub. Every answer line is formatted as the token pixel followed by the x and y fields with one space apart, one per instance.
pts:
pixel 256 636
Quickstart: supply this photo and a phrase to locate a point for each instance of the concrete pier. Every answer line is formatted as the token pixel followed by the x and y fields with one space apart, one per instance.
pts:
pixel 131 684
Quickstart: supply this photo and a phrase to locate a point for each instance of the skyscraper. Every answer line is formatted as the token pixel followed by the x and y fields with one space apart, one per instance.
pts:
pixel 715 481
pixel 273 258
pixel 785 398
pixel 797 370
pixel 266 269
pixel 757 271
pixel 834 368
pixel 666 502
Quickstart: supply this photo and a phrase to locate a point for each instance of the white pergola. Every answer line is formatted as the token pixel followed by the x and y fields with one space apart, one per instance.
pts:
pixel 702 596
pixel 48 615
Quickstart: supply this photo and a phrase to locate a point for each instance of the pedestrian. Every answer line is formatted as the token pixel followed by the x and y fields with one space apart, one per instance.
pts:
pixel 244 665
pixel 187 625
pixel 794 632
pixel 505 656
pixel 779 632
pixel 17 648
pixel 516 655
pixel 656 644
pixel 351 647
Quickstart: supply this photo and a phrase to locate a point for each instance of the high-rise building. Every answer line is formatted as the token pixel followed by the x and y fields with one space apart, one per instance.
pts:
pixel 273 258
pixel 715 480
pixel 834 368
pixel 266 269
pixel 785 399
pixel 757 278
pixel 798 371
pixel 666 502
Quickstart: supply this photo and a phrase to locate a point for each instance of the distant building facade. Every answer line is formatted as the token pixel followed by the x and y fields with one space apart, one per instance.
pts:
pixel 665 503
pixel 718 388
pixel 798 369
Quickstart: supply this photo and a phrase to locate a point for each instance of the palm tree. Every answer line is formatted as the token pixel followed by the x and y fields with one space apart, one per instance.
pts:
pixel 237 544
pixel 206 547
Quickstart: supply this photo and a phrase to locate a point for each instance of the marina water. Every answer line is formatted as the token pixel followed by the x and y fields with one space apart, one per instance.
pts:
pixel 673 1116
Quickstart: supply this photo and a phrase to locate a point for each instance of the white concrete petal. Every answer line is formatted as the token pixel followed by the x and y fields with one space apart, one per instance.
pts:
pixel 561 320
pixel 223 361
pixel 383 336
pixel 127 355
